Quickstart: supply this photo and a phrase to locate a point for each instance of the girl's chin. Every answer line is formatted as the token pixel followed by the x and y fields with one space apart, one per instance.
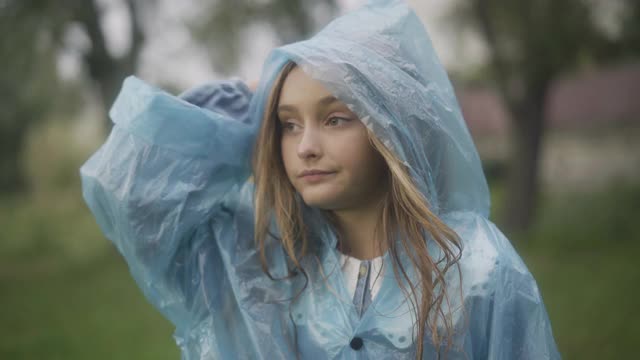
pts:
pixel 322 199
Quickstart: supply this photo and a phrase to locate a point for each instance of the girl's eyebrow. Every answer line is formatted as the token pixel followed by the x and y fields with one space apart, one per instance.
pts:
pixel 325 101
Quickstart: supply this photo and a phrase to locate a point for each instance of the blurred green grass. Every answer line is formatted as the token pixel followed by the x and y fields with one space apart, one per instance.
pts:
pixel 583 253
pixel 66 293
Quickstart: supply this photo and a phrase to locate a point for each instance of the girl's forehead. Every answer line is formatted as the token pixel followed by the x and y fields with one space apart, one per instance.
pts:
pixel 299 89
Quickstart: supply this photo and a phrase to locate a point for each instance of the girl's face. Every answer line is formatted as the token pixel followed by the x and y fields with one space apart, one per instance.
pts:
pixel 325 149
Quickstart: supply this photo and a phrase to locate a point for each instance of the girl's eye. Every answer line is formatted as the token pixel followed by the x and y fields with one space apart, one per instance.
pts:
pixel 288 126
pixel 337 120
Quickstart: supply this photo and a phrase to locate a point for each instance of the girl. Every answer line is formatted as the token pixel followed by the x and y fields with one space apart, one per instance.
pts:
pixel 339 211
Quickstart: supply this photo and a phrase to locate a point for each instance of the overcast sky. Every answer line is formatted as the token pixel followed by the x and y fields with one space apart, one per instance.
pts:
pixel 171 56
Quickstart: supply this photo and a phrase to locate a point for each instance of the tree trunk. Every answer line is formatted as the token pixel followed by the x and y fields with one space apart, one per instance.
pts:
pixel 109 84
pixel 522 183
pixel 12 176
pixel 107 71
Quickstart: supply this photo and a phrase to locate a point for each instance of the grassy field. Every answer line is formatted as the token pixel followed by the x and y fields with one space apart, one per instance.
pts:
pixel 583 253
pixel 66 294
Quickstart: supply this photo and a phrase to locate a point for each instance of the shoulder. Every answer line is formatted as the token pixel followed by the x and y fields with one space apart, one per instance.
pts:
pixel 489 263
pixel 506 313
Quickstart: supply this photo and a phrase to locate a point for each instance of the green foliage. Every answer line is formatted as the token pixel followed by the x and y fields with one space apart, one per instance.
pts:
pixel 34 38
pixel 36 222
pixel 28 81
pixel 630 30
pixel 531 41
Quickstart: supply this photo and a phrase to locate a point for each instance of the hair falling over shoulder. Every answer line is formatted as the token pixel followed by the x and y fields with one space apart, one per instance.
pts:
pixel 406 216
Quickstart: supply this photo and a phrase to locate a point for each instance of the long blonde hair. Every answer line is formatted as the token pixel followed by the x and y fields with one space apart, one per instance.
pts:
pixel 405 214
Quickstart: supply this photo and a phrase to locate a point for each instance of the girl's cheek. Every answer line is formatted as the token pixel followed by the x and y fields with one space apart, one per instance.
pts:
pixel 287 157
pixel 354 154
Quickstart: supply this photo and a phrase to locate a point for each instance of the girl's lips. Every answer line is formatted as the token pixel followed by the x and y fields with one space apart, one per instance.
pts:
pixel 317 176
pixel 314 172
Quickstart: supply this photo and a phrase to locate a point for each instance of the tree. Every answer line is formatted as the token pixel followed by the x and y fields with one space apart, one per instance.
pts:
pixel 28 72
pixel 34 35
pixel 530 43
pixel 33 38
pixel 226 25
pixel 106 70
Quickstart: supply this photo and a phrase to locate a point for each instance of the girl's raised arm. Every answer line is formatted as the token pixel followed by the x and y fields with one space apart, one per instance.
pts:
pixel 168 168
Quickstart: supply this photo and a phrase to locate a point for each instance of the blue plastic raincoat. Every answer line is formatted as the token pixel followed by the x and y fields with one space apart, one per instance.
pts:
pixel 170 187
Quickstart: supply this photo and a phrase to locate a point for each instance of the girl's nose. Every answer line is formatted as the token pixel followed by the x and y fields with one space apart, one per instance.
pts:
pixel 309 146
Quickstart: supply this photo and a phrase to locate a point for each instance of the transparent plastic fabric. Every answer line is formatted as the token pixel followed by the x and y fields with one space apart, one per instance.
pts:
pixel 171 188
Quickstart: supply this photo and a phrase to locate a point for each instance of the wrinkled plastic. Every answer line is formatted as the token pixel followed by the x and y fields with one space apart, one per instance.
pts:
pixel 171 188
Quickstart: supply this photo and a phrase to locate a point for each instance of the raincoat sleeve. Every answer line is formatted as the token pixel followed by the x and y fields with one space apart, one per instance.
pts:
pixel 512 320
pixel 169 167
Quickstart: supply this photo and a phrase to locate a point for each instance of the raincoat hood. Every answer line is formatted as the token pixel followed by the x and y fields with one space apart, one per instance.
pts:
pixel 171 189
pixel 380 62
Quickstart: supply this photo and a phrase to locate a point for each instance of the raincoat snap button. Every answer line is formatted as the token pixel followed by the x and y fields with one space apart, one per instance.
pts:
pixel 356 343
pixel 363 270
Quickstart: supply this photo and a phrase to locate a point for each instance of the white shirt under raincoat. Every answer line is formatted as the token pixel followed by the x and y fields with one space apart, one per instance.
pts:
pixel 171 189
